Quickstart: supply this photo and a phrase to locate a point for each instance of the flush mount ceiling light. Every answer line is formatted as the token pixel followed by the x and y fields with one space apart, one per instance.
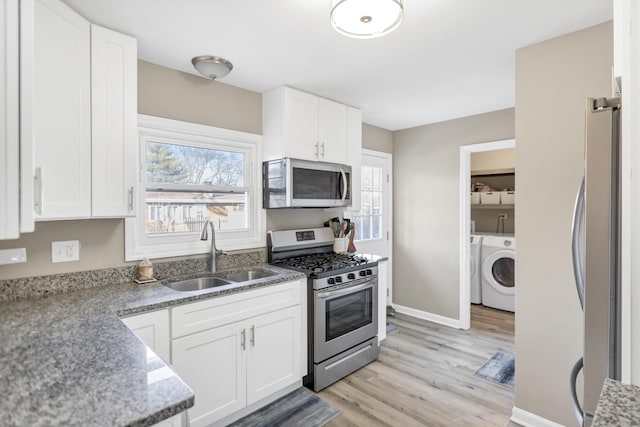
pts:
pixel 212 67
pixel 365 19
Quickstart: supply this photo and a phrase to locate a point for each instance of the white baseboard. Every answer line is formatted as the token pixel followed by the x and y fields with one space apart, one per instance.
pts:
pixel 435 318
pixel 528 419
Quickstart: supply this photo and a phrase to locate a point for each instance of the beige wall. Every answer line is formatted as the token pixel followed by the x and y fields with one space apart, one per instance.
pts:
pixel 175 95
pixel 426 163
pixel 553 78
pixel 493 160
pixel 172 94
pixel 161 92
pixel 378 139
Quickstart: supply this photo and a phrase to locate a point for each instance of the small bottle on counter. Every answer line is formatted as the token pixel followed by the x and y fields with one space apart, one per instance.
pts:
pixel 145 270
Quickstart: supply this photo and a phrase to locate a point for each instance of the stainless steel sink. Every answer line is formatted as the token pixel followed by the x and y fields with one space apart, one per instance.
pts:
pixel 197 284
pixel 244 276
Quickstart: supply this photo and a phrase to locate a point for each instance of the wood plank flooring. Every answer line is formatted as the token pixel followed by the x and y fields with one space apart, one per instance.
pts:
pixel 424 376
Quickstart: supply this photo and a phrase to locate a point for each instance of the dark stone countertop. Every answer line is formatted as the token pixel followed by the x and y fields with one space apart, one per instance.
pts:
pixel 67 359
pixel 619 405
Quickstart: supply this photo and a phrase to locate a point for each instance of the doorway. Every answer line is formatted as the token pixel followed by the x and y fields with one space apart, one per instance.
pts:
pixel 465 223
pixel 374 218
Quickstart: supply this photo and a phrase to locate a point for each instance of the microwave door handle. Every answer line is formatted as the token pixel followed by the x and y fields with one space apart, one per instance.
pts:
pixel 344 184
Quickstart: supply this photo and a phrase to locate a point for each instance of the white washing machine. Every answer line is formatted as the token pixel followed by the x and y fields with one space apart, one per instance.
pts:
pixel 498 272
pixel 476 278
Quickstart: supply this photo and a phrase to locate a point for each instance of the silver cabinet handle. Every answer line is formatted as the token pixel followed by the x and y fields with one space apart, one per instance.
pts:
pixel 576 243
pixel 316 153
pixel 131 199
pixel 253 336
pixel 322 150
pixel 38 190
pixel 242 340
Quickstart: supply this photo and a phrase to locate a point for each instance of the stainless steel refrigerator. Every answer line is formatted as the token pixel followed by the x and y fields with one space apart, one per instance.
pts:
pixel 595 248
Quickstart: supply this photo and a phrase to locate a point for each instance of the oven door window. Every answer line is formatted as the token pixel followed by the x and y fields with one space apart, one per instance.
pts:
pixel 348 312
pixel 316 184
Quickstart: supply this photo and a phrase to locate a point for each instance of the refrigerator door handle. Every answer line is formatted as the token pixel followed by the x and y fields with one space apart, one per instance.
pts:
pixel 575 403
pixel 576 243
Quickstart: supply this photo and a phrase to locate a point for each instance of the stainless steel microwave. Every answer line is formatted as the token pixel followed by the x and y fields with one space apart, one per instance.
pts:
pixel 293 183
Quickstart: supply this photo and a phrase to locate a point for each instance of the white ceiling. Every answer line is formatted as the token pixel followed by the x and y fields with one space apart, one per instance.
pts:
pixel 448 58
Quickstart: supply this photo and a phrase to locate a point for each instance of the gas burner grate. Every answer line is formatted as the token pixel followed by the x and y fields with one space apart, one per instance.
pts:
pixel 323 263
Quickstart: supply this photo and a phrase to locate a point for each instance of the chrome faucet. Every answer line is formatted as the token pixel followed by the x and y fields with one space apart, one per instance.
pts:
pixel 215 253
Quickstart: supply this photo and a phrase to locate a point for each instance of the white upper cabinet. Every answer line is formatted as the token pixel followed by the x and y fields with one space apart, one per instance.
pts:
pixel 354 154
pixel 9 121
pixel 114 130
pixel 332 131
pixel 61 111
pixel 303 126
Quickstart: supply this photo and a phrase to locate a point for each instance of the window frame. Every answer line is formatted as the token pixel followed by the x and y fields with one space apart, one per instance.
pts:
pixel 358 214
pixel 139 245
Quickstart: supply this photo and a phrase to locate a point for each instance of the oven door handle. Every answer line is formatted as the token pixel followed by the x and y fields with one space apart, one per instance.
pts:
pixel 345 291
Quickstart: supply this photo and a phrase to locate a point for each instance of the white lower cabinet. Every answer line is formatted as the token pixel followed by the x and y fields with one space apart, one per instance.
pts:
pixel 274 358
pixel 153 330
pixel 213 364
pixel 256 351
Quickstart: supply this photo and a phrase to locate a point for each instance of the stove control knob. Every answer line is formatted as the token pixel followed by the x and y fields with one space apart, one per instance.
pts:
pixel 362 273
pixel 351 276
pixel 369 272
pixel 331 281
pixel 338 279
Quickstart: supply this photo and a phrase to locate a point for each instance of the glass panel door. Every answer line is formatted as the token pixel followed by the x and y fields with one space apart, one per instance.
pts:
pixel 347 313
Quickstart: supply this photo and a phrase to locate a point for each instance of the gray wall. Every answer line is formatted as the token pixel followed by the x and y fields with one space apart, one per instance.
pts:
pixel 553 78
pixel 175 95
pixel 426 164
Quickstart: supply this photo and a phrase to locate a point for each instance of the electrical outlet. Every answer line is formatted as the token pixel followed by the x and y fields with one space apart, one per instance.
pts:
pixel 503 216
pixel 65 251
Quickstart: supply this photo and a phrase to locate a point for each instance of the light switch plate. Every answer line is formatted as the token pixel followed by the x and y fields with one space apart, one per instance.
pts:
pixel 13 256
pixel 68 250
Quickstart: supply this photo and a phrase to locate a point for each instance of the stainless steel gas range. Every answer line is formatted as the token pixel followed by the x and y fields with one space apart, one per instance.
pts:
pixel 343 300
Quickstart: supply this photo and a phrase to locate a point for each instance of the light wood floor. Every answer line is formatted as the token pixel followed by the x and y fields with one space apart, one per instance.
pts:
pixel 425 376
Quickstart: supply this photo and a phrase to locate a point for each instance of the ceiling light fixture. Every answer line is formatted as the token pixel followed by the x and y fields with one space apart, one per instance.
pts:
pixel 212 67
pixel 366 19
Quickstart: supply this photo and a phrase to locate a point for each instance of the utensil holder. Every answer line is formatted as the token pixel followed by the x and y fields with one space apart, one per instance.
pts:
pixel 340 245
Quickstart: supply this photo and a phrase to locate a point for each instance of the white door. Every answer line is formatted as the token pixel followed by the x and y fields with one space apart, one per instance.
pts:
pixel 373 220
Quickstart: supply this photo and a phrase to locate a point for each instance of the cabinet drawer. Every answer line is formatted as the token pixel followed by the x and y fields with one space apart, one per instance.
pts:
pixel 199 316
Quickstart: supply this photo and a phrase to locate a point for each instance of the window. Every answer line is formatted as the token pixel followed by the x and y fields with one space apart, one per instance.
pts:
pixel 369 218
pixel 191 173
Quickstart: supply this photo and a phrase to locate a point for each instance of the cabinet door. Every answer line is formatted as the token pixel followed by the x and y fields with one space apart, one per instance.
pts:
pixel 332 131
pixel 213 364
pixel 153 329
pixel 274 358
pixel 354 153
pixel 114 131
pixel 9 120
pixel 61 110
pixel 300 125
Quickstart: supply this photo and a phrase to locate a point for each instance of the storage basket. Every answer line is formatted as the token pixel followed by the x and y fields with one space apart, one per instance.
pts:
pixel 507 197
pixel 490 197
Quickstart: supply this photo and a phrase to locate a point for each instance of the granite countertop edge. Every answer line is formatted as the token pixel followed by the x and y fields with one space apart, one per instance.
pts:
pixel 90 368
pixel 619 405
